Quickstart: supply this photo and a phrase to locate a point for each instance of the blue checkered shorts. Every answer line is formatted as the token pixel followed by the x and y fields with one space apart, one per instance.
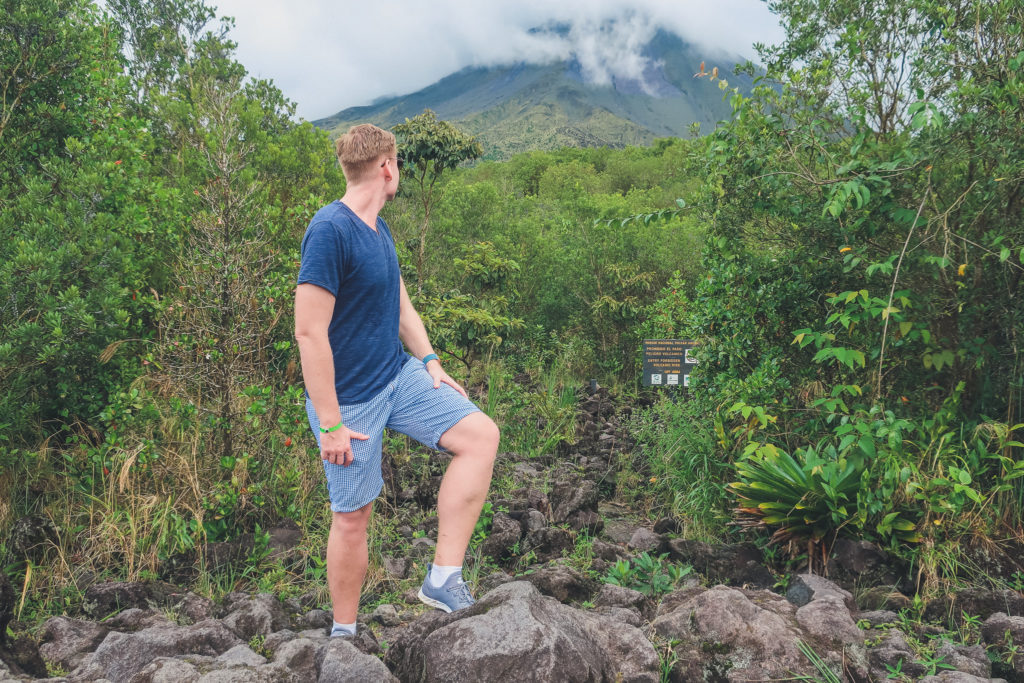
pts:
pixel 409 404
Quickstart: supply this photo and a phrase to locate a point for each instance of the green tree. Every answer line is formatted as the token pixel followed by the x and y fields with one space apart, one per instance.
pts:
pixel 75 179
pixel 433 148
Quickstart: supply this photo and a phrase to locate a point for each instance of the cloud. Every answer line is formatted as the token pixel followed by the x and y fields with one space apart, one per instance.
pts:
pixel 327 56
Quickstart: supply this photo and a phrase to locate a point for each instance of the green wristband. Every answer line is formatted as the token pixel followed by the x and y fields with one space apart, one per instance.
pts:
pixel 429 357
pixel 331 429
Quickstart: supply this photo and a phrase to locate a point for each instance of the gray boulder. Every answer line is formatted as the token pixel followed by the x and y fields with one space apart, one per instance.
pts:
pixel 121 655
pixel 514 625
pixel 66 641
pixel 968 659
pixel 959 677
pixel 730 634
pixel 571 498
pixel 563 583
pixel 894 652
pixel 548 543
pixel 241 655
pixel 339 661
pixel 805 588
pixel 505 533
pixel 255 615
pixel 1004 634
pixel 136 619
pixel 103 599
pixel 167 670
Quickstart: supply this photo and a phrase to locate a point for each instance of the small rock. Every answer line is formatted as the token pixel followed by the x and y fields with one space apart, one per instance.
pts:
pixel 618 531
pixel 623 614
pixel 103 599
pixel 883 597
pixel 195 607
pixel 611 595
pixel 283 542
pixel 276 639
pixel 587 520
pixel 667 525
pixel 644 540
pixel 492 581
pixel 31 536
pixel 504 535
pixel 894 652
pixel 386 615
pixel 533 521
pixel 423 546
pixel 397 567
pixel 317 618
pixel 609 552
pixel 878 617
pixel 549 543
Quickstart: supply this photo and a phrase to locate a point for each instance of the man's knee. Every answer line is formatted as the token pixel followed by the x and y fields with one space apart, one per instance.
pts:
pixel 476 433
pixel 489 433
pixel 353 522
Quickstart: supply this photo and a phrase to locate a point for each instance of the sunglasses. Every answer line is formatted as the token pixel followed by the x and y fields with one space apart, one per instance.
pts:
pixel 398 162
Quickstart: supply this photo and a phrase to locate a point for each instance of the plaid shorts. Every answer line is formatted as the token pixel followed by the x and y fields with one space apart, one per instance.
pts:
pixel 409 404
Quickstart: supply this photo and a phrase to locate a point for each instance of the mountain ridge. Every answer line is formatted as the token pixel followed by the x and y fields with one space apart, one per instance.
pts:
pixel 517 107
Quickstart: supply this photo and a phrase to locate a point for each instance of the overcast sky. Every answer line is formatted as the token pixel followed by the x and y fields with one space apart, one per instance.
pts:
pixel 327 55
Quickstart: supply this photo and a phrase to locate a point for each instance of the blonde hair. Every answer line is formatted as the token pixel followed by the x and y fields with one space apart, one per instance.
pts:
pixel 359 149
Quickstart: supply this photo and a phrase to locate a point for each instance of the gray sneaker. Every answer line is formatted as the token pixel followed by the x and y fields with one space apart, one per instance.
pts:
pixel 453 595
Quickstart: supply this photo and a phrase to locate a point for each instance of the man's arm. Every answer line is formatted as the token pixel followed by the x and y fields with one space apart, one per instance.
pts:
pixel 414 335
pixel 313 309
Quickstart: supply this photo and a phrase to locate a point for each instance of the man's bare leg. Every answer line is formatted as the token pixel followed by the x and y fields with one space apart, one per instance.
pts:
pixel 474 443
pixel 347 559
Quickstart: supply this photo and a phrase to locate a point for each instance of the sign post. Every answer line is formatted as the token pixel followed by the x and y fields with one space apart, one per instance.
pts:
pixel 668 362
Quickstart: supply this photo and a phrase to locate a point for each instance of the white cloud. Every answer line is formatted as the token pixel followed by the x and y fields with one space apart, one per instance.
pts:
pixel 327 56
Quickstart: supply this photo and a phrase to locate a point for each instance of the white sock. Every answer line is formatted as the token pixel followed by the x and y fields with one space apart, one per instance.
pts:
pixel 343 629
pixel 438 574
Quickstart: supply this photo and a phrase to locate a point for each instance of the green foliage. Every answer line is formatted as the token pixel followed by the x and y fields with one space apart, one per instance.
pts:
pixel 483 525
pixel 807 495
pixel 859 215
pixel 652 575
pixel 688 472
pixel 72 269
pixel 432 148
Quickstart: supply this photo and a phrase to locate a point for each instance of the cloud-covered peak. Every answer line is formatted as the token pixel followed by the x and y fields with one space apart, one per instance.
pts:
pixel 328 55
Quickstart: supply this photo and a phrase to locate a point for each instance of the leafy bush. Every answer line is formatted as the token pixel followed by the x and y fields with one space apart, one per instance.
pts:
pixel 650 574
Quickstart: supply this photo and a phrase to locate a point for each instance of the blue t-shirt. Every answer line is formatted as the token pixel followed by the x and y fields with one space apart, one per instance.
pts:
pixel 359 267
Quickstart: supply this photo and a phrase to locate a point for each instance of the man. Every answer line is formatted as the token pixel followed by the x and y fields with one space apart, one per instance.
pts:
pixel 351 311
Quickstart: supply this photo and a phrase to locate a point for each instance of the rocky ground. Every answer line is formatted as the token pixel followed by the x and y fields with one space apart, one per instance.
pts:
pixel 729 619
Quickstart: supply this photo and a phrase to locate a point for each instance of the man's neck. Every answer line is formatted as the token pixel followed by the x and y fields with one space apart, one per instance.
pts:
pixel 364 202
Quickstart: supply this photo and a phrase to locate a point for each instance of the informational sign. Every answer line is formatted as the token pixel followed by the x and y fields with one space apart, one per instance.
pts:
pixel 668 362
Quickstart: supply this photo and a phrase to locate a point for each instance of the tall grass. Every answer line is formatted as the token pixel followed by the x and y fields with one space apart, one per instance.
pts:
pixel 689 476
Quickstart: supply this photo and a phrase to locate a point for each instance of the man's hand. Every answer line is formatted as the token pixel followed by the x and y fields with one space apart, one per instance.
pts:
pixel 439 375
pixel 336 447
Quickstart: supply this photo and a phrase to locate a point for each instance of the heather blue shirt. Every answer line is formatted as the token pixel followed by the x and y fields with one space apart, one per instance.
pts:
pixel 359 267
